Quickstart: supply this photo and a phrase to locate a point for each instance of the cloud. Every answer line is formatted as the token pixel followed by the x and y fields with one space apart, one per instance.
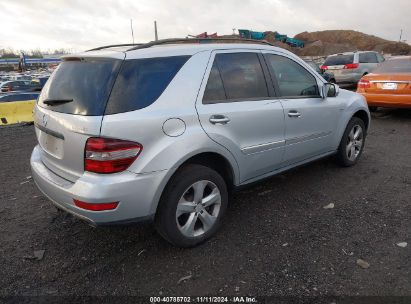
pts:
pixel 78 25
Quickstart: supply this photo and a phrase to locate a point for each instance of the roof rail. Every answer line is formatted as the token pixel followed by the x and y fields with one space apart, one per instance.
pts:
pixel 197 40
pixel 113 45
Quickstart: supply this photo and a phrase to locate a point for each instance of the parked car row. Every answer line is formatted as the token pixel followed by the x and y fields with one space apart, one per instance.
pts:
pixel 384 83
pixel 19 96
pixel 33 85
pixel 30 80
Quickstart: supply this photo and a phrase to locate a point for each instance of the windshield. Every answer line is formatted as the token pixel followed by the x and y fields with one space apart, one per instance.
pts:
pixel 86 84
pixel 394 66
pixel 339 60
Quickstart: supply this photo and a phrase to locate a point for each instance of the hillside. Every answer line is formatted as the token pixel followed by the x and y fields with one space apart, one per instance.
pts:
pixel 335 41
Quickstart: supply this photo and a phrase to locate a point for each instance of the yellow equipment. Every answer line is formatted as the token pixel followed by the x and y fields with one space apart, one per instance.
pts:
pixel 16 112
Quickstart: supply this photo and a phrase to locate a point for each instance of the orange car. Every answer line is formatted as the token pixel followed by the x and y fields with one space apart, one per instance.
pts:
pixel 389 85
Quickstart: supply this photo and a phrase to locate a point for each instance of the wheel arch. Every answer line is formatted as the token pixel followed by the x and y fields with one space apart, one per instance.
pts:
pixel 227 167
pixel 216 162
pixel 363 115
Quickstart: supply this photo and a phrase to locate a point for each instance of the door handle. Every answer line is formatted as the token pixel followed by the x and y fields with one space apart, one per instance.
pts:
pixel 294 113
pixel 219 119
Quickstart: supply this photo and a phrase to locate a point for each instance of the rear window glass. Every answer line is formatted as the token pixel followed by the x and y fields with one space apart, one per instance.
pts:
pixel 394 66
pixel 140 82
pixel 87 83
pixel 339 60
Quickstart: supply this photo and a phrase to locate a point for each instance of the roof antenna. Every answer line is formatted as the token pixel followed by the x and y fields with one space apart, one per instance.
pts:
pixel 132 32
pixel 155 31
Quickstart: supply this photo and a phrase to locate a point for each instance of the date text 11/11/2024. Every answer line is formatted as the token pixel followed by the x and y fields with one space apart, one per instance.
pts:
pixel 235 299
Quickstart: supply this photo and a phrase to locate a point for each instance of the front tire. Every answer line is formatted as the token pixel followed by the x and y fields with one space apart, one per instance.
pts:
pixel 192 206
pixel 352 143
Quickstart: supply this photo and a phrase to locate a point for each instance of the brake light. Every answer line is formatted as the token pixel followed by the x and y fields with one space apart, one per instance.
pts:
pixel 108 155
pixel 95 206
pixel 364 84
pixel 351 66
pixel 324 67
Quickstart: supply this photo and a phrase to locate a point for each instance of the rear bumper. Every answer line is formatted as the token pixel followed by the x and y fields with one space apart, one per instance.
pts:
pixel 388 100
pixel 347 79
pixel 136 193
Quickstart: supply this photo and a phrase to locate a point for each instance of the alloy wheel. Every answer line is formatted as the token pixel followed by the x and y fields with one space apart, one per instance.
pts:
pixel 198 208
pixel 355 142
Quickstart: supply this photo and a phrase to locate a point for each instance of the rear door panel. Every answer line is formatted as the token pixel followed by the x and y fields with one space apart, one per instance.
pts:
pixel 255 132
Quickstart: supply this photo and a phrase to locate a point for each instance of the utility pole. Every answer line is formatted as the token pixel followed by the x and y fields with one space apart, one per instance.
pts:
pixel 400 35
pixel 132 32
pixel 155 31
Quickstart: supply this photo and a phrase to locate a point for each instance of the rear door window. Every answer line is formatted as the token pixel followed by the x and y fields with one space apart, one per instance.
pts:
pixel 368 58
pixel 293 79
pixel 140 82
pixel 242 76
pixel 339 60
pixel 214 91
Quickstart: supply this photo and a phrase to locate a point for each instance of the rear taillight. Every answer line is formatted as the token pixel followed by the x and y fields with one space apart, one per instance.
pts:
pixel 107 155
pixel 95 206
pixel 324 67
pixel 363 84
pixel 351 66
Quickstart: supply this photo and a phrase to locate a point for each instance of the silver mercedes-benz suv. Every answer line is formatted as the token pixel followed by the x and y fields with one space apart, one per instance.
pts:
pixel 164 131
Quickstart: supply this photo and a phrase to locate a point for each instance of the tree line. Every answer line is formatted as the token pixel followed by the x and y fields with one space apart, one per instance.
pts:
pixel 36 53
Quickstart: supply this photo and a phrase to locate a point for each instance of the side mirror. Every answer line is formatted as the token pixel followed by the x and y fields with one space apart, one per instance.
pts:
pixel 330 90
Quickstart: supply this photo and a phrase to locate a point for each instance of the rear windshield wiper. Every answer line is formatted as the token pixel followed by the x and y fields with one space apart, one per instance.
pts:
pixel 56 102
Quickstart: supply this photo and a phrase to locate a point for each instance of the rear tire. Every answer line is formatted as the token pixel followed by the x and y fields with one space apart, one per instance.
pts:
pixel 352 143
pixel 192 206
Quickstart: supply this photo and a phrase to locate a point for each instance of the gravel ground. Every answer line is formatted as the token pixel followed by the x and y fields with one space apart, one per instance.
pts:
pixel 277 238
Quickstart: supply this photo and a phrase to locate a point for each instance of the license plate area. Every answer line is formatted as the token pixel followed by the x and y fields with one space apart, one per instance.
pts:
pixel 389 86
pixel 335 67
pixel 50 144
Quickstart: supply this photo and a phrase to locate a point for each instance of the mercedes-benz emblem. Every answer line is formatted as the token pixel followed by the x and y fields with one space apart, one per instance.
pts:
pixel 45 120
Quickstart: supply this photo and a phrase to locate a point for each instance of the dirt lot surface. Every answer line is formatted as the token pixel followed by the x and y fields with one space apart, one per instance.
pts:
pixel 277 238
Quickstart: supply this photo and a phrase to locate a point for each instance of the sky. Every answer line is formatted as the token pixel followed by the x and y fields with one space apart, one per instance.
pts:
pixel 77 25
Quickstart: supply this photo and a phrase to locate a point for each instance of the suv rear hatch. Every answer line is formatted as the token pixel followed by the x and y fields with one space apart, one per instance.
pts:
pixel 71 107
pixel 340 64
